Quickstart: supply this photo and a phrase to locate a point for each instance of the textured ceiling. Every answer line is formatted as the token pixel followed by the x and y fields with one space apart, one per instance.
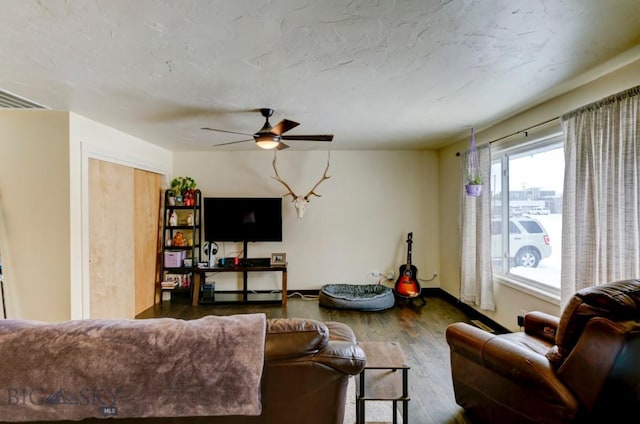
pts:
pixel 404 74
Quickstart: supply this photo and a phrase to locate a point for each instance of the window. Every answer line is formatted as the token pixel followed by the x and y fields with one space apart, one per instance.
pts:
pixel 526 224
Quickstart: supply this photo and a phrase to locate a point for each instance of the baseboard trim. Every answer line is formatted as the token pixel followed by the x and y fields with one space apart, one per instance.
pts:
pixel 472 313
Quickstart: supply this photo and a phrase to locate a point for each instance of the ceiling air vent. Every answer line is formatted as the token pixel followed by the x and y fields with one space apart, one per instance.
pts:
pixel 11 101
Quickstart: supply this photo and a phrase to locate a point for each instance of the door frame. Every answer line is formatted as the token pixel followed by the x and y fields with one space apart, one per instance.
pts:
pixel 80 286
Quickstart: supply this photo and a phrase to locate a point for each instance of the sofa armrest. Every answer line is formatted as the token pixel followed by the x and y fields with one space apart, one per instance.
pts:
pixel 507 359
pixel 346 357
pixel 332 344
pixel 467 340
pixel 499 355
pixel 541 325
pixel 342 353
pixel 293 337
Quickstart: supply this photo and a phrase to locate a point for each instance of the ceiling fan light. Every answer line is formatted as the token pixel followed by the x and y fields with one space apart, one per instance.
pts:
pixel 268 141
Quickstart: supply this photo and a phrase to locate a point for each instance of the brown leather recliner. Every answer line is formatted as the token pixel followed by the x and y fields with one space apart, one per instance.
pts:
pixel 581 367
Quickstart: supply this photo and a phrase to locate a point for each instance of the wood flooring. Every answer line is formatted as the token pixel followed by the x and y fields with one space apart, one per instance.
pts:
pixel 418 329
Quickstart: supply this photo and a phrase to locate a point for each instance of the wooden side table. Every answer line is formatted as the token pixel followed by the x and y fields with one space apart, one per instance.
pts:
pixel 384 378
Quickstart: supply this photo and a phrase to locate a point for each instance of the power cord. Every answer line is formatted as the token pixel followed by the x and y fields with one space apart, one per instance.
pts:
pixel 303 296
pixel 389 276
pixel 433 277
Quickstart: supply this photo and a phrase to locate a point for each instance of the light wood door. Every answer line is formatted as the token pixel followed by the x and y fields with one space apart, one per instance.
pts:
pixel 147 224
pixel 123 234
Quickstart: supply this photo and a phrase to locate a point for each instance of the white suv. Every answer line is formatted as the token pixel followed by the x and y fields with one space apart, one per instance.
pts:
pixel 528 241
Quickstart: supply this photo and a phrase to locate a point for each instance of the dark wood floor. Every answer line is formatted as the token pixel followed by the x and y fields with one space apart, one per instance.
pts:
pixel 420 331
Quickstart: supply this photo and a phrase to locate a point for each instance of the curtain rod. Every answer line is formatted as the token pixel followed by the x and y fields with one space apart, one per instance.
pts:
pixel 522 131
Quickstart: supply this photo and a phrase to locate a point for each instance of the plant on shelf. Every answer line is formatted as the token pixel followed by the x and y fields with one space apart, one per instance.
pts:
pixel 180 185
pixel 182 189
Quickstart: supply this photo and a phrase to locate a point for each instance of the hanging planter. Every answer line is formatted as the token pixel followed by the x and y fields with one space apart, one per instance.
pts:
pixel 473 190
pixel 474 177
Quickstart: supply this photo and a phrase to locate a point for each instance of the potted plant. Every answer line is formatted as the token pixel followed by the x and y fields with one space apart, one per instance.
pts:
pixel 182 189
pixel 474 177
pixel 474 184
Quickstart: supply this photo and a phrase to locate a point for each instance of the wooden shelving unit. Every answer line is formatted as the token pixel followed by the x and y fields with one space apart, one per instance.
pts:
pixel 182 239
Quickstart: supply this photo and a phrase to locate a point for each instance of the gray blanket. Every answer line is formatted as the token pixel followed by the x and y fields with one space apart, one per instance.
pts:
pixel 131 368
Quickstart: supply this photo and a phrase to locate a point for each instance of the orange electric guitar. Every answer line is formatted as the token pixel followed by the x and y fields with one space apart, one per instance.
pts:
pixel 407 285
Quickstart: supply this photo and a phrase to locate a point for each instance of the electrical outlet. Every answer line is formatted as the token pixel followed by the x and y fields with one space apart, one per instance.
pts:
pixel 389 275
pixel 520 321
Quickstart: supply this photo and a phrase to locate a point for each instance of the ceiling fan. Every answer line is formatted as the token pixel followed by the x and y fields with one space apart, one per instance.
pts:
pixel 269 137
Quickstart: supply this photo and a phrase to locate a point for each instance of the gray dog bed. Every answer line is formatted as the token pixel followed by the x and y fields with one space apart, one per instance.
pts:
pixel 361 297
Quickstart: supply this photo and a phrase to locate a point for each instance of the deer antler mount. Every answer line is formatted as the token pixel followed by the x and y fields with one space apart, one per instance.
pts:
pixel 300 202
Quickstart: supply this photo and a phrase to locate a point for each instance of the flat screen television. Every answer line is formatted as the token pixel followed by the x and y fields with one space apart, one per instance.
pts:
pixel 242 219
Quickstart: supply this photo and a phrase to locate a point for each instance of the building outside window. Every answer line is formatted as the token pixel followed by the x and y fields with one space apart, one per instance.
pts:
pixel 526 224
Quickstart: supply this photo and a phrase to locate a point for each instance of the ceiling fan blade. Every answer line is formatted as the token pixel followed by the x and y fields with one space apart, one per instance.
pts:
pixel 282 146
pixel 319 137
pixel 283 126
pixel 225 131
pixel 233 142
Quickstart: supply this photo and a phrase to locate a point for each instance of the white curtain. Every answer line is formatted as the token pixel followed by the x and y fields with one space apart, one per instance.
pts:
pixel 601 209
pixel 476 274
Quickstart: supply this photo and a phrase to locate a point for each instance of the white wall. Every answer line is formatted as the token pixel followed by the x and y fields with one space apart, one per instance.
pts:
pixel 509 300
pixel 359 225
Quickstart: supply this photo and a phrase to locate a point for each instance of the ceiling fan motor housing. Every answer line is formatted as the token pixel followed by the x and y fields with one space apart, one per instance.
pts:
pixel 266 112
pixel 269 137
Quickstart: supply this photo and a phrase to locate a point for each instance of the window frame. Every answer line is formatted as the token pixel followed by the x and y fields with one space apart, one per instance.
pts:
pixel 502 153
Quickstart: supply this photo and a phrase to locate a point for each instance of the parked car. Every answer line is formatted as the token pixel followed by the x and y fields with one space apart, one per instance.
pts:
pixel 528 241
pixel 515 211
pixel 539 210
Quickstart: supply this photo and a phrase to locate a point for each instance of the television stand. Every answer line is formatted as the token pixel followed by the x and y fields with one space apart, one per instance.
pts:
pixel 229 262
pixel 245 266
pixel 244 295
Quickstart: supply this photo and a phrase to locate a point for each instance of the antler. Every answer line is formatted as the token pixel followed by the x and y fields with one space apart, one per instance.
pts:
pixel 281 181
pixel 324 177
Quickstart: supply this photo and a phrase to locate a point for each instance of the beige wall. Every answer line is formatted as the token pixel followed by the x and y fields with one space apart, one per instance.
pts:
pixel 34 197
pixel 43 196
pixel 359 225
pixel 510 300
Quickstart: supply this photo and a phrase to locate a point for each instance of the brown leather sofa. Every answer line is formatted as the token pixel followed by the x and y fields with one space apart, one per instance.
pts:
pixel 307 365
pixel 581 367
